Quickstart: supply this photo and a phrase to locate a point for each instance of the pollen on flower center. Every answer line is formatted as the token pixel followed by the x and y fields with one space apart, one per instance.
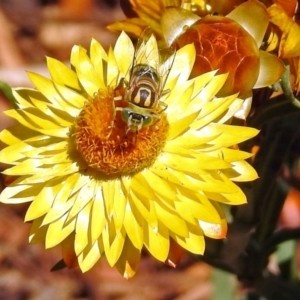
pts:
pixel 106 145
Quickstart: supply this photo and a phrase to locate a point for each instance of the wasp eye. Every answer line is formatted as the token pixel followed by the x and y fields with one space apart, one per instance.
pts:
pixel 125 115
pixel 147 121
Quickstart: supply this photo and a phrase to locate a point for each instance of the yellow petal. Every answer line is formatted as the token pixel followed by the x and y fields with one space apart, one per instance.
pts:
pixel 150 53
pixel 24 97
pixel 180 99
pixel 237 197
pixel 20 193
pixel 59 158
pixel 212 88
pixel 289 43
pixel 44 200
pixel 270 71
pixel 61 74
pixel 200 207
pixel 21 117
pixel 16 133
pixel 58 231
pixel 174 21
pixel 211 111
pixel 11 154
pixel 112 69
pixel 57 170
pixel 191 139
pixel 171 219
pixel 140 186
pixel 98 57
pixel 113 243
pixel 180 126
pixel 63 201
pixel 231 155
pixel 98 218
pixel 47 151
pixel 90 79
pixel 109 190
pixel 247 14
pixel 73 98
pixel 193 165
pixel 74 59
pixel 229 135
pixel 85 195
pixel 47 88
pixel 82 229
pixel 124 52
pixel 194 242
pixel 161 187
pixel 129 260
pixel 80 182
pixel 185 213
pixel 182 65
pixel 133 26
pixel 87 260
pixel 119 204
pixel 133 224
pixel 205 182
pixel 245 172
pixel 64 119
pixel 239 108
pixel 42 120
pixel 157 241
pixel 215 231
pixel 146 207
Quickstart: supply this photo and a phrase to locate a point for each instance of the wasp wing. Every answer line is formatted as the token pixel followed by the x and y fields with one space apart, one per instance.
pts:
pixel 167 57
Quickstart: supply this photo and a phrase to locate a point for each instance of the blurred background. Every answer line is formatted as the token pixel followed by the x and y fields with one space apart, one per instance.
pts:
pixel 29 31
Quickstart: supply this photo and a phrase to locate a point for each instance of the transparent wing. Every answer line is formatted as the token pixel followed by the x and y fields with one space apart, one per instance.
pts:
pixel 150 53
pixel 167 56
pixel 147 52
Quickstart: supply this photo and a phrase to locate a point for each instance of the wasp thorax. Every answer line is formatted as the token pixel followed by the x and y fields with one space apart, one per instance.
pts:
pixel 104 141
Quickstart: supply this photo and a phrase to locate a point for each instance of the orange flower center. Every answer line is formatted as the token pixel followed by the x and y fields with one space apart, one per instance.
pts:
pixel 103 139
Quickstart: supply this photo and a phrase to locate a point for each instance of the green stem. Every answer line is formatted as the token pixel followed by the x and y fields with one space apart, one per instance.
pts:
pixel 287 88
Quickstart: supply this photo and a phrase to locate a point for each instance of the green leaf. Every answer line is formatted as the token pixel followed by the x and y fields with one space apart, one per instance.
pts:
pixel 7 91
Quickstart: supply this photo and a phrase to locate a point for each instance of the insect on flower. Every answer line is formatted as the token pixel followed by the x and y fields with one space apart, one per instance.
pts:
pixel 147 78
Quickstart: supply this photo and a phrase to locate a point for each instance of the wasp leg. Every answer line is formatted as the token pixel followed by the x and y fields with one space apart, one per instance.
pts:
pixel 165 92
pixel 163 105
pixel 123 83
pixel 114 110
pixel 130 124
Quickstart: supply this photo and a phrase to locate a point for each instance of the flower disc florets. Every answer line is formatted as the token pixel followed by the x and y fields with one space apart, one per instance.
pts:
pixel 103 139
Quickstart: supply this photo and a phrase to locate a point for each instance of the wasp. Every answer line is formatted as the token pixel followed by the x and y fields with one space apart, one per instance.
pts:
pixel 145 88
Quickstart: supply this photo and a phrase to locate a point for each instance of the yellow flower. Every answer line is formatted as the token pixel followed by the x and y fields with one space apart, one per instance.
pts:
pixel 99 189
pixel 284 38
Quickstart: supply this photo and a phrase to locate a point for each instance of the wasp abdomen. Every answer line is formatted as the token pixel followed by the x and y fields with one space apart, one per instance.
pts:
pixel 144 85
pixel 144 96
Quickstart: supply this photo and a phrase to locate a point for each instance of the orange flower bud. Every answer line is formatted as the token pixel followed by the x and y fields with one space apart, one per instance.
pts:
pixel 223 44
